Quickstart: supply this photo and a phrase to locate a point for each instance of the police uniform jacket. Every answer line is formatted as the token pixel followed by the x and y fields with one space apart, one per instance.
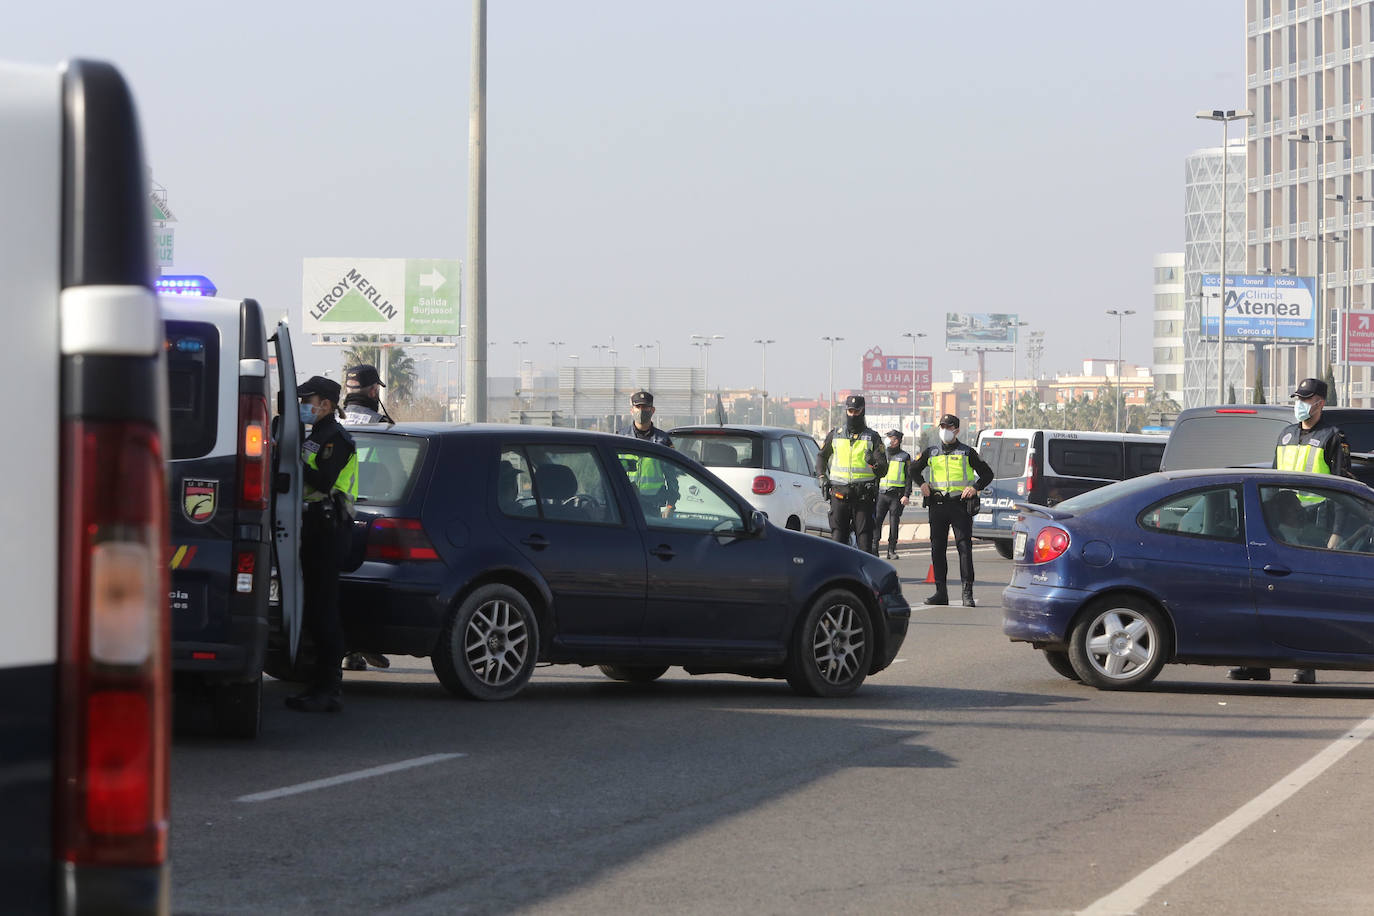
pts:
pixel 975 461
pixel 360 410
pixel 1327 437
pixel 892 459
pixel 333 449
pixel 652 434
pixel 877 452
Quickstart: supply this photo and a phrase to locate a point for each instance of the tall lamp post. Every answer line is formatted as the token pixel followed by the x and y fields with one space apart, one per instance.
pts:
pixel 576 361
pixel 763 380
pixel 915 411
pixel 1120 315
pixel 830 408
pixel 1342 344
pixel 1225 116
pixel 1322 357
pixel 1016 345
pixel 704 342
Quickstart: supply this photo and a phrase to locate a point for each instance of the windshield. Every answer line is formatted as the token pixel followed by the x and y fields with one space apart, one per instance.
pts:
pixel 1224 440
pixel 1085 502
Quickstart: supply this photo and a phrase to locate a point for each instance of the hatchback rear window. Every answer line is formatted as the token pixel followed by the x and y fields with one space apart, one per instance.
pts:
pixel 1224 440
pixel 721 451
pixel 192 386
pixel 387 467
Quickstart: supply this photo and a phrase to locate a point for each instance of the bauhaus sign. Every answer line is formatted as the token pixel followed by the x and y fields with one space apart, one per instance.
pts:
pixel 1261 308
pixel 895 373
pixel 417 296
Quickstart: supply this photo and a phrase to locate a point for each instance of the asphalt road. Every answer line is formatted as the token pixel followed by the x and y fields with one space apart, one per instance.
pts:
pixel 967 778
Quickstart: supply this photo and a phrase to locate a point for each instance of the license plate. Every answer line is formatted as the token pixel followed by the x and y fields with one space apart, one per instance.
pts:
pixel 1018 545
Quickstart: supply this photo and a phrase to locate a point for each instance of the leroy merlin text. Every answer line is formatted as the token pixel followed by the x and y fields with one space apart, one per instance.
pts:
pixel 356 281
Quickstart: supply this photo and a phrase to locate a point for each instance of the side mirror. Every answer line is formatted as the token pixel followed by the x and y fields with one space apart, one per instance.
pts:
pixel 758 523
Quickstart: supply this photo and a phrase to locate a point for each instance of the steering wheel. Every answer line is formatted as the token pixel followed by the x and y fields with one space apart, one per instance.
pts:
pixel 583 502
pixel 1360 533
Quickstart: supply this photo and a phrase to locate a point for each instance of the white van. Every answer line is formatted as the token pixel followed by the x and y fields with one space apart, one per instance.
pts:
pixel 83 650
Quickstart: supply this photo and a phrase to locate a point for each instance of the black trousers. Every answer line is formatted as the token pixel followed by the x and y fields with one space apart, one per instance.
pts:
pixel 852 513
pixel 944 515
pixel 889 504
pixel 320 578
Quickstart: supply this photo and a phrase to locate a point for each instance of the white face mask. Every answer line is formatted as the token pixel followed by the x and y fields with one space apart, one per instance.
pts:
pixel 1302 410
pixel 307 414
pixel 947 436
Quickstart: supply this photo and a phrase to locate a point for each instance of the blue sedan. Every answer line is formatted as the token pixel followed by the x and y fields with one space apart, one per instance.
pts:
pixel 1200 567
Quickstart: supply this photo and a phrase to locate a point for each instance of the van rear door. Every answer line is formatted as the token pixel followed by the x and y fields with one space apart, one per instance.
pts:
pixel 1007 452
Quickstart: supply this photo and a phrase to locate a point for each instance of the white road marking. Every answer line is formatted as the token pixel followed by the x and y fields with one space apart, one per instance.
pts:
pixel 346 777
pixel 1134 894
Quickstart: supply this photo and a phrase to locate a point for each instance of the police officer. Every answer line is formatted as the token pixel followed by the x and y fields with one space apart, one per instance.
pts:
pixel 363 403
pixel 852 461
pixel 956 474
pixel 893 493
pixel 1316 445
pixel 658 492
pixel 330 478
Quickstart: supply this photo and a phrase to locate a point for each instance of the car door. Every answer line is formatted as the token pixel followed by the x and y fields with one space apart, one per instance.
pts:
pixel 558 507
pixel 1312 596
pixel 710 584
pixel 817 516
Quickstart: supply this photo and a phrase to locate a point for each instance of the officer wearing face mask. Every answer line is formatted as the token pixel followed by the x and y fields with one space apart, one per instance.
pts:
pixel 956 474
pixel 852 462
pixel 657 488
pixel 1316 445
pixel 330 478
pixel 894 492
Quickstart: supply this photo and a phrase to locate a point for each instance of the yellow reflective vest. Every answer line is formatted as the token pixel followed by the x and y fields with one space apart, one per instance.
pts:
pixel 849 460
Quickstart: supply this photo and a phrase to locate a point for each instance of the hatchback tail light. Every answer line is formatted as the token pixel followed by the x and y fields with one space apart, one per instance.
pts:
pixel 1050 544
pixel 112 752
pixel 253 452
pixel 764 484
pixel 394 540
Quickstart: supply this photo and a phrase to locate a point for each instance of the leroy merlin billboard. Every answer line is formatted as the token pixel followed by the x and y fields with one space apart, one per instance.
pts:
pixel 415 296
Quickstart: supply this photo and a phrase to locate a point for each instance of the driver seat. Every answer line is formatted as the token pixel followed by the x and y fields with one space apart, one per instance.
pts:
pixel 557 483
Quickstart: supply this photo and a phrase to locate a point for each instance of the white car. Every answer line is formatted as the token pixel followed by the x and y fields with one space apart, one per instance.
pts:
pixel 773 467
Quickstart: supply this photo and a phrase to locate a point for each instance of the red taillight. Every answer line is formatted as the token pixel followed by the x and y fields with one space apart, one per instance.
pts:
pixel 248 561
pixel 764 484
pixel 395 540
pixel 253 452
pixel 1050 544
pixel 113 739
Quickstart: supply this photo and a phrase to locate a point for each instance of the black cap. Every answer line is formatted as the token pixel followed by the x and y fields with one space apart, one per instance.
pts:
pixel 641 399
pixel 854 401
pixel 1310 386
pixel 363 375
pixel 949 419
pixel 317 384
pixel 894 432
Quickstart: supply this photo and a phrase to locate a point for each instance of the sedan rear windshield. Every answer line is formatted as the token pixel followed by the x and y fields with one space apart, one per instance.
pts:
pixel 387 466
pixel 721 451
pixel 1085 502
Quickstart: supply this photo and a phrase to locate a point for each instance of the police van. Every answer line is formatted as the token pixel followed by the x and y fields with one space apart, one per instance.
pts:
pixel 83 650
pixel 222 366
pixel 1047 466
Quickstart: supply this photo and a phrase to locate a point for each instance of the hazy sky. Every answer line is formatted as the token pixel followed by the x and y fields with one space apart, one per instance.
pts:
pixel 779 169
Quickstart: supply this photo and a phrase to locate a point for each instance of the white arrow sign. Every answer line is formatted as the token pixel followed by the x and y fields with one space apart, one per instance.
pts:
pixel 433 280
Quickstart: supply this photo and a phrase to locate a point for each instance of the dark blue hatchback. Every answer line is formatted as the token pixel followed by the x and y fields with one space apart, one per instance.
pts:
pixel 1208 567
pixel 491 548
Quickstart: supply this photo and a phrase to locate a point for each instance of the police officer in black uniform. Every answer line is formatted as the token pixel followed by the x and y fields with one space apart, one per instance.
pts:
pixel 894 492
pixel 956 474
pixel 330 482
pixel 851 462
pixel 658 492
pixel 363 402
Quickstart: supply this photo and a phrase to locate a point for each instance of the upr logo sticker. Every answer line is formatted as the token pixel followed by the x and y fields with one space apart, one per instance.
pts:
pixel 198 499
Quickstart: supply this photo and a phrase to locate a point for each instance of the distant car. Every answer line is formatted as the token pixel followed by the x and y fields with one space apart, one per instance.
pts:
pixel 491 548
pixel 1209 567
pixel 773 467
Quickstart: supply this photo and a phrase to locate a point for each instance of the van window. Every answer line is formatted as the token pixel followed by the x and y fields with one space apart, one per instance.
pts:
pixel 1006 457
pixel 387 466
pixel 1143 458
pixel 1082 458
pixel 192 386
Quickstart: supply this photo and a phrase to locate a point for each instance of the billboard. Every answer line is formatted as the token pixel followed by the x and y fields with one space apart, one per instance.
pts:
pixel 980 331
pixel 1359 338
pixel 894 373
pixel 1261 308
pixel 411 296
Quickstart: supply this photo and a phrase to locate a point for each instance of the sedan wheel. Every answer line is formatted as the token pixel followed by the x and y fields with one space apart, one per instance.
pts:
pixel 1119 643
pixel 1059 661
pixel 832 648
pixel 488 648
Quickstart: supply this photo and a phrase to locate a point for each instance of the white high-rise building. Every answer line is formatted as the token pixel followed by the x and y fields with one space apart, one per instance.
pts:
pixel 1166 364
pixel 1202 211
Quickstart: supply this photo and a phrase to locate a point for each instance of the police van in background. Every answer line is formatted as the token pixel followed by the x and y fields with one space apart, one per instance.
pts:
pixel 223 472
pixel 84 646
pixel 1047 466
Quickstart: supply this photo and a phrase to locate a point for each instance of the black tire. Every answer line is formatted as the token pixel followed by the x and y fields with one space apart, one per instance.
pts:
pixel 489 645
pixel 1120 643
pixel 832 646
pixel 238 709
pixel 634 674
pixel 1003 548
pixel 1059 661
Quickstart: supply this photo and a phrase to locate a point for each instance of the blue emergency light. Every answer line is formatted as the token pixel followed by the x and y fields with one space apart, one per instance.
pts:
pixel 185 285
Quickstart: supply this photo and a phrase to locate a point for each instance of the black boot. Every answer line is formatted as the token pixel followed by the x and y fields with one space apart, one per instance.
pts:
pixel 968 597
pixel 940 596
pixel 316 699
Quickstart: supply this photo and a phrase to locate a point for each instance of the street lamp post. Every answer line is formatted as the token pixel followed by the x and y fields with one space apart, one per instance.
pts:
pixel 576 361
pixel 915 411
pixel 1015 346
pixel 1342 343
pixel 1120 316
pixel 830 408
pixel 763 380
pixel 641 348
pixel 1322 357
pixel 1225 116
pixel 704 341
